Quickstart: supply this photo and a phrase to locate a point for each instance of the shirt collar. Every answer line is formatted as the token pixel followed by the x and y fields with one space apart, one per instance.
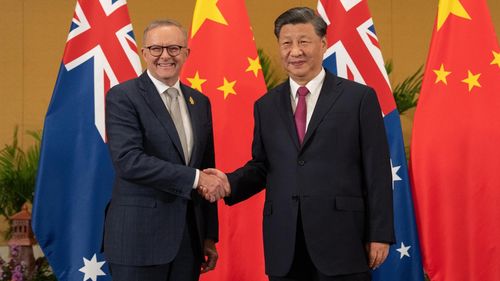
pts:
pixel 162 87
pixel 312 85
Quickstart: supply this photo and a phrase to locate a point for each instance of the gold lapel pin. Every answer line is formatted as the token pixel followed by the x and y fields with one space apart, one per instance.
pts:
pixel 191 100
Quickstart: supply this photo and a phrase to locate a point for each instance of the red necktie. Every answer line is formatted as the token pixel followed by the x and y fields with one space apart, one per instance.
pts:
pixel 301 113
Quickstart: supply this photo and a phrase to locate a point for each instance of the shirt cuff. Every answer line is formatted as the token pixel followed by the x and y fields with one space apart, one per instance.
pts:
pixel 196 178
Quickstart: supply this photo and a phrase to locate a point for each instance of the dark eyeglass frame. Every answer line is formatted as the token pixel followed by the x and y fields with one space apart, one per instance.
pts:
pixel 170 50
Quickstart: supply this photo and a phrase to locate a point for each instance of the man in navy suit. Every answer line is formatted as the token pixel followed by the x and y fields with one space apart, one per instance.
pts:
pixel 321 153
pixel 157 226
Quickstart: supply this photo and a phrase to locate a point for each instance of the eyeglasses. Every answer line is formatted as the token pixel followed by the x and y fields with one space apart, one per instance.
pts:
pixel 172 50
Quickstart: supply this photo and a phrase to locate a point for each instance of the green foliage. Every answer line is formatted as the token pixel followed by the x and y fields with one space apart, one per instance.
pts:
pixel 43 271
pixel 268 70
pixel 18 170
pixel 17 174
pixel 406 93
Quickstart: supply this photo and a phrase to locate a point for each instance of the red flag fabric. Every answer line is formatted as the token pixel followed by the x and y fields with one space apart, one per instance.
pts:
pixel 455 155
pixel 224 65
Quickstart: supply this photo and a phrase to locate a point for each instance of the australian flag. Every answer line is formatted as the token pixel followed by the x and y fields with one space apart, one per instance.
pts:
pixel 354 53
pixel 75 173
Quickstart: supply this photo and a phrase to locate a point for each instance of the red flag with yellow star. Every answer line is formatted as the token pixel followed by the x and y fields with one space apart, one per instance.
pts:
pixel 224 65
pixel 455 150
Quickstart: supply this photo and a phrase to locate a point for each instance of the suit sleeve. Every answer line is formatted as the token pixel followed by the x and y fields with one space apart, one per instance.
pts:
pixel 125 142
pixel 377 171
pixel 251 178
pixel 210 209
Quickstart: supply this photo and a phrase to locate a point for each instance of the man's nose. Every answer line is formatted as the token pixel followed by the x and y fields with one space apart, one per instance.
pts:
pixel 295 50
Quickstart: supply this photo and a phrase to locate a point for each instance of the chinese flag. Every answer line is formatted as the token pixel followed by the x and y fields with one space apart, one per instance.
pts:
pixel 455 151
pixel 224 65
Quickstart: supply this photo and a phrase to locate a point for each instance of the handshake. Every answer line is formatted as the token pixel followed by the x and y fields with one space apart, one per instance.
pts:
pixel 213 185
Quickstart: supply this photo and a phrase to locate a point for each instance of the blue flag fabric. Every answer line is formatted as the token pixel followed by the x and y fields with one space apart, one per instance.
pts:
pixel 75 172
pixel 354 53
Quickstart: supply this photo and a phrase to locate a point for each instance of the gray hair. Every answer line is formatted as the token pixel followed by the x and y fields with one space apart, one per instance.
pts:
pixel 163 22
pixel 300 15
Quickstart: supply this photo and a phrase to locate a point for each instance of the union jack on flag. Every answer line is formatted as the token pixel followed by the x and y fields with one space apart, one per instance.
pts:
pixel 354 53
pixel 75 173
pixel 101 30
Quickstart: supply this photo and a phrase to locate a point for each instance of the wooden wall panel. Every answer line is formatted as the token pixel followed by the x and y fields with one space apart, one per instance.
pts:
pixel 11 68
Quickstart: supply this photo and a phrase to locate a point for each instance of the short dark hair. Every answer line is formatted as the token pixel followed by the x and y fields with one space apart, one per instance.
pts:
pixel 163 22
pixel 300 15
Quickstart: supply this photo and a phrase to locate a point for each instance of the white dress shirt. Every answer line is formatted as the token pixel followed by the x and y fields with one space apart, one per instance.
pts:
pixel 186 120
pixel 314 86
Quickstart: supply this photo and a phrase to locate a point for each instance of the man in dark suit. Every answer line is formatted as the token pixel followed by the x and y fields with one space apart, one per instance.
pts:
pixel 159 132
pixel 320 150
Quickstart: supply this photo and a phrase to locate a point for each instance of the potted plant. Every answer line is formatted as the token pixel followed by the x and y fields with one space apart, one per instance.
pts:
pixel 18 170
pixel 17 174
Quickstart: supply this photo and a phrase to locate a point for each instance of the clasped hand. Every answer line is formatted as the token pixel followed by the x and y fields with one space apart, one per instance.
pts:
pixel 213 185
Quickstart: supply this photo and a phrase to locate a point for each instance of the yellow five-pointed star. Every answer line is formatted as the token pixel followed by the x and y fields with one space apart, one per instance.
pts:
pixel 441 74
pixel 472 80
pixel 447 7
pixel 206 9
pixel 227 88
pixel 496 59
pixel 254 65
pixel 196 82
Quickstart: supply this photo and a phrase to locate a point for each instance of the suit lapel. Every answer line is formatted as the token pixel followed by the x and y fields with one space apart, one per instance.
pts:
pixel 156 104
pixel 284 107
pixel 196 121
pixel 330 92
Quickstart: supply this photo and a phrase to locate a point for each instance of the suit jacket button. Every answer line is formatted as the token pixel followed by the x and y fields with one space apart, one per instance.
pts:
pixel 301 162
